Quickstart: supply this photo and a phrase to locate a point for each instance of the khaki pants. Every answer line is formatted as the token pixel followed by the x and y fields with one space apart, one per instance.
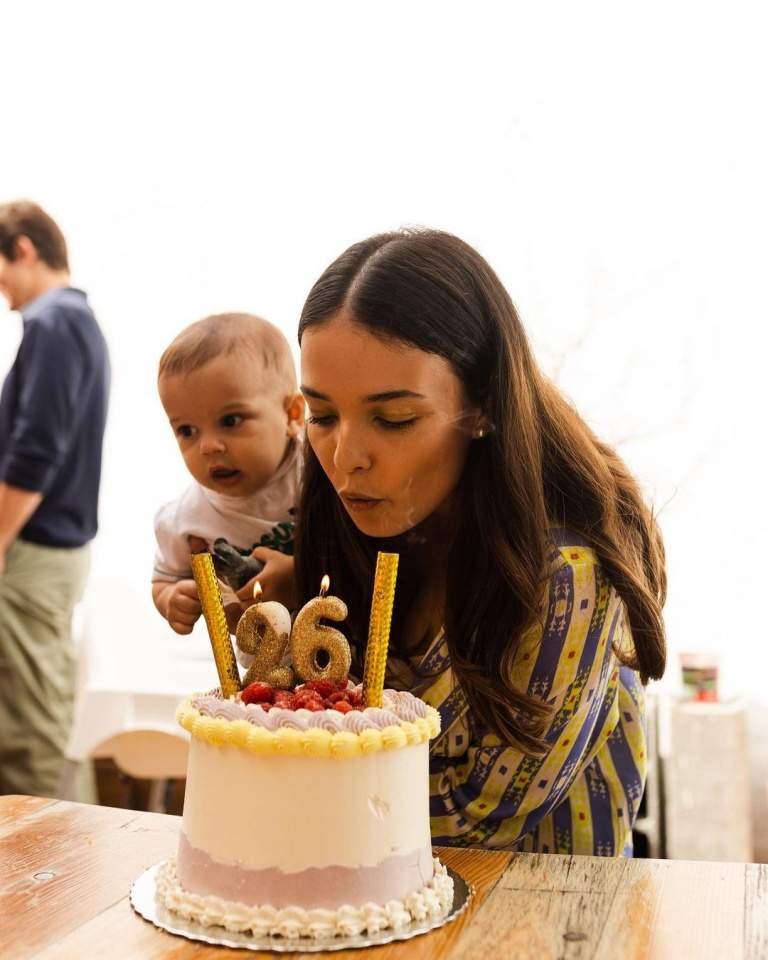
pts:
pixel 38 592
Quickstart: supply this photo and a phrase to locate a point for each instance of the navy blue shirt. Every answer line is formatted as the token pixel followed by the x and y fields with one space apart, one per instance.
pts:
pixel 53 408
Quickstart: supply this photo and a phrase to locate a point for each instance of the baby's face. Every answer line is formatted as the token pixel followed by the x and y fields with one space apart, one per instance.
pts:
pixel 231 421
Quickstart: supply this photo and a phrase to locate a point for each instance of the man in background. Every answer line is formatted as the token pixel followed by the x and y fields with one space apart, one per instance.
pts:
pixel 53 409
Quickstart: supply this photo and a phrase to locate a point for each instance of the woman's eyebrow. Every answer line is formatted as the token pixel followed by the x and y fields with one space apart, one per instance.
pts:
pixel 392 395
pixel 371 398
pixel 315 394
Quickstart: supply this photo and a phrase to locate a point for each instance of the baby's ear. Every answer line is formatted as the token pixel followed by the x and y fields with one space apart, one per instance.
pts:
pixel 294 411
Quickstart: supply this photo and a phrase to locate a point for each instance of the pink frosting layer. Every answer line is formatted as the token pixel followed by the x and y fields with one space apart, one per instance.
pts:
pixel 329 887
pixel 399 706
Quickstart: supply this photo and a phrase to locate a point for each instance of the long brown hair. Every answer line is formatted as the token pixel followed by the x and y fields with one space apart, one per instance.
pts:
pixel 541 466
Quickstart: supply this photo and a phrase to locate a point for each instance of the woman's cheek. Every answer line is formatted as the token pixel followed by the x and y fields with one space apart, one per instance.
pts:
pixel 323 447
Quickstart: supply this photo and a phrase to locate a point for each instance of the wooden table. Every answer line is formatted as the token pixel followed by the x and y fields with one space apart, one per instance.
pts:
pixel 66 869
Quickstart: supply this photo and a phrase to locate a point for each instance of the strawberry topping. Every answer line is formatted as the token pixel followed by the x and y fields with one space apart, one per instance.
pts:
pixel 258 693
pixel 342 706
pixel 324 687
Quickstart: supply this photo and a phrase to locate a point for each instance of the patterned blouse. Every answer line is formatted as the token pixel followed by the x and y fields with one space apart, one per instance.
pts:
pixel 581 797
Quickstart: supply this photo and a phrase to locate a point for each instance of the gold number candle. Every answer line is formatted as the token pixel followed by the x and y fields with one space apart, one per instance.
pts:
pixel 378 628
pixel 263 631
pixel 310 639
pixel 216 621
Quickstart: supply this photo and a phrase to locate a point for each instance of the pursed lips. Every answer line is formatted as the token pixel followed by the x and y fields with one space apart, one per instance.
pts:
pixel 355 495
pixel 359 501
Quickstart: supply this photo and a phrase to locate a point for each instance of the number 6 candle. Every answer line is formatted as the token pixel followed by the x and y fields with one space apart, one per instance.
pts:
pixel 309 638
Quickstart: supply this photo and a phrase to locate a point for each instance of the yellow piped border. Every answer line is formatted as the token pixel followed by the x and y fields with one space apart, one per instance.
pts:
pixel 310 743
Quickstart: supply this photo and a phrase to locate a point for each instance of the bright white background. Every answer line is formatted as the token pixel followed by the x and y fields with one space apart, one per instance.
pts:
pixel 608 159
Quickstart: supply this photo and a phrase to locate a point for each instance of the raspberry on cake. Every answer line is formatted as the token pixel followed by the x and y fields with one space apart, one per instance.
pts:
pixel 258 693
pixel 314 695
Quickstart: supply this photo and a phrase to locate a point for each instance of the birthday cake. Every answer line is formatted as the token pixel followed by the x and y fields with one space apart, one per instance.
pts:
pixel 306 810
pixel 306 814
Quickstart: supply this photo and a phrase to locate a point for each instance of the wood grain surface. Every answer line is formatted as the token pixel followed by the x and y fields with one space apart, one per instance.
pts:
pixel 66 870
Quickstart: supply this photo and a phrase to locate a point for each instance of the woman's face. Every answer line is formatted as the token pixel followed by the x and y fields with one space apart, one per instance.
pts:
pixel 388 423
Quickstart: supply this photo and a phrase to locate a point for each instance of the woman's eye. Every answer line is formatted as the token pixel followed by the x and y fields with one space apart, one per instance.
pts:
pixel 325 421
pixel 185 430
pixel 395 424
pixel 232 420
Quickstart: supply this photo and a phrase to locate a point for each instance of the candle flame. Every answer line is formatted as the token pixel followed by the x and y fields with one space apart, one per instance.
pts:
pixel 257 591
pixel 324 585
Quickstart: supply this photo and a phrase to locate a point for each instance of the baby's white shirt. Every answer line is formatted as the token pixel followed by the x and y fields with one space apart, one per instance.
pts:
pixel 264 518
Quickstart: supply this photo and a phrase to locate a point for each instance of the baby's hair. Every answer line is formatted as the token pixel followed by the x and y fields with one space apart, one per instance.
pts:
pixel 223 334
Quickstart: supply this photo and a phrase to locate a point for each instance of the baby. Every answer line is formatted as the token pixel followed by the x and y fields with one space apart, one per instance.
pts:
pixel 228 386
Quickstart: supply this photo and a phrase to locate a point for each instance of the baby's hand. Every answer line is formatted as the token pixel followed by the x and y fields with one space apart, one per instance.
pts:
pixel 183 606
pixel 276 578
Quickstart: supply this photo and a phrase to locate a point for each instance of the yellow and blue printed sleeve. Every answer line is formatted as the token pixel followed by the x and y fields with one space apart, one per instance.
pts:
pixel 582 795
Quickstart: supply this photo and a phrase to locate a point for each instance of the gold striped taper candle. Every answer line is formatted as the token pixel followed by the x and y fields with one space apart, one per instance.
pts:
pixel 216 621
pixel 378 628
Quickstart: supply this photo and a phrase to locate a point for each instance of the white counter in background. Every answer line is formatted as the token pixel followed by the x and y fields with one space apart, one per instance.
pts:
pixel 707 782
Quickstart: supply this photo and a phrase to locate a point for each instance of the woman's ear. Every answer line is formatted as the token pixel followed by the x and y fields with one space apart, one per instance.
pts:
pixel 294 412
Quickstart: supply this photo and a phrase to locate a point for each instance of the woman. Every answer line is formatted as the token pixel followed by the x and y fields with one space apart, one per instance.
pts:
pixel 531 576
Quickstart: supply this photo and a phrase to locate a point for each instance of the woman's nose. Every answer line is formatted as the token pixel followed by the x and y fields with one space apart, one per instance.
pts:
pixel 211 443
pixel 350 454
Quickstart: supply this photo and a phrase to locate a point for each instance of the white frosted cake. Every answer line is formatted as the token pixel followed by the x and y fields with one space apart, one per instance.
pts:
pixel 306 815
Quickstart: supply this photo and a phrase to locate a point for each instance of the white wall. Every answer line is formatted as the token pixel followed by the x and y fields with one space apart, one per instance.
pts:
pixel 608 159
